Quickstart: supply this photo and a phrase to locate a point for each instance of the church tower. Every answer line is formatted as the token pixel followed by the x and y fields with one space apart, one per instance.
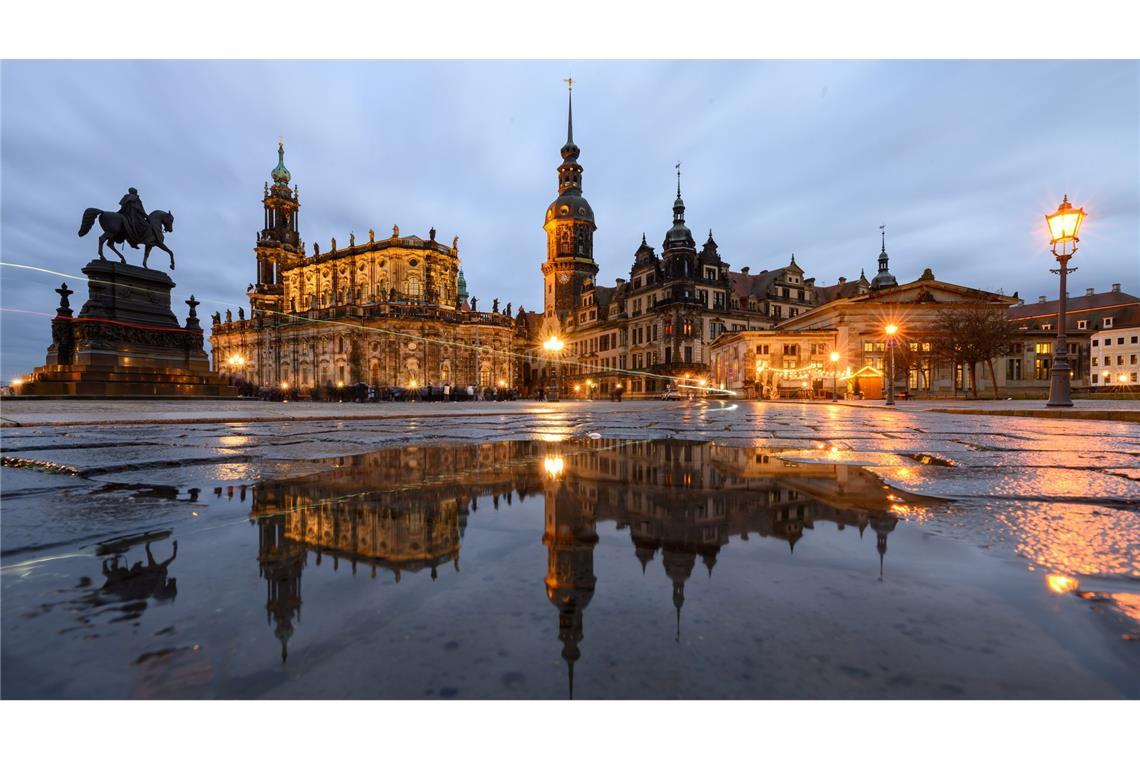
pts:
pixel 569 232
pixel 278 243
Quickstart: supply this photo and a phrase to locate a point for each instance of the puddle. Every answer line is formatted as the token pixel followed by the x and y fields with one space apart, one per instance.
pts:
pixel 589 567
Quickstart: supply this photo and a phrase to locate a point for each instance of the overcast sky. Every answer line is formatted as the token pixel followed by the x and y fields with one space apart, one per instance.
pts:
pixel 959 160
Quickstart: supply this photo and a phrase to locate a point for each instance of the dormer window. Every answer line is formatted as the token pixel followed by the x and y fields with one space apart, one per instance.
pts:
pixel 1108 321
pixel 1082 324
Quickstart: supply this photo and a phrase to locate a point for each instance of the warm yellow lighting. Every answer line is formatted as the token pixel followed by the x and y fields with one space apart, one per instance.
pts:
pixel 834 356
pixel 1065 223
pixel 1123 377
pixel 702 382
pixel 284 386
pixel 1061 584
pixel 237 360
pixel 553 344
pixel 891 329
pixel 413 384
pixel 502 383
pixel 553 466
pixel 577 388
pixel 589 383
pixel 17 382
pixel 617 387
pixel 339 383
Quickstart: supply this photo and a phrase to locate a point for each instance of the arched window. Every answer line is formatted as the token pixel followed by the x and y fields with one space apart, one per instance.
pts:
pixel 414 288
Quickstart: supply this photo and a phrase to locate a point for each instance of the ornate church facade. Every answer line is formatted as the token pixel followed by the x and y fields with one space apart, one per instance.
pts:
pixel 389 311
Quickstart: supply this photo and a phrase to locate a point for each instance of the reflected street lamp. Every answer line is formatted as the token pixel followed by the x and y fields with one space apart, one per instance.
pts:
pixel 1064 224
pixel 834 374
pixel 891 330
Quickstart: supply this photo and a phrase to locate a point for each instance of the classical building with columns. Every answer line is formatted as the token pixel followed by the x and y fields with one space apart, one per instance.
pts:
pixel 386 311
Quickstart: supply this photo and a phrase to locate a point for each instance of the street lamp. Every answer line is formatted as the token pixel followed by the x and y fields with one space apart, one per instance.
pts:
pixel 834 357
pixel 1064 224
pixel 891 329
pixel 554 345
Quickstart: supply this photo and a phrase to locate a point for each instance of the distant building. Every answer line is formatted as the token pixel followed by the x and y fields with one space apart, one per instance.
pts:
pixel 1027 367
pixel 1115 350
pixel 390 311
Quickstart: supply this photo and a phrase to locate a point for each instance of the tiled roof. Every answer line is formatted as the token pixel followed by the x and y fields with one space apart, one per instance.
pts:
pixel 1096 301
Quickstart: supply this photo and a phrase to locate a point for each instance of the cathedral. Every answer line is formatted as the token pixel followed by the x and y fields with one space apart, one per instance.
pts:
pixel 652 330
pixel 389 311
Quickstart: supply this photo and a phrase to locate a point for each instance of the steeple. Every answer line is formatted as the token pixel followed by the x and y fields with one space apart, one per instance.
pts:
pixel 884 278
pixel 569 230
pixel 280 174
pixel 679 235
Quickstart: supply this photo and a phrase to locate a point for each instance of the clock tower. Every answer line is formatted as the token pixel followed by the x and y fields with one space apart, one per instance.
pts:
pixel 569 229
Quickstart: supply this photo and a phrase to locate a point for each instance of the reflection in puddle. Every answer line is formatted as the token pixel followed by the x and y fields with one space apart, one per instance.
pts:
pixel 406 510
pixel 668 568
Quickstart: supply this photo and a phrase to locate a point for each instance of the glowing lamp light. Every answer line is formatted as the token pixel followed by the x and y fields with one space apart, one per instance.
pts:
pixel 411 384
pixel 577 387
pixel 284 386
pixel 891 329
pixel 617 387
pixel 834 356
pixel 1061 584
pixel 502 383
pixel 339 383
pixel 1065 222
pixel 702 382
pixel 553 466
pixel 1123 377
pixel 17 382
pixel 553 343
pixel 237 360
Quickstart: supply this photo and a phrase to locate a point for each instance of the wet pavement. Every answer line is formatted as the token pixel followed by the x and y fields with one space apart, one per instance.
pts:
pixel 650 550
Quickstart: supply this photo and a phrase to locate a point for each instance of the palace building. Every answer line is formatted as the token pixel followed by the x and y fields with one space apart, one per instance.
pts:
pixel 653 329
pixel 389 311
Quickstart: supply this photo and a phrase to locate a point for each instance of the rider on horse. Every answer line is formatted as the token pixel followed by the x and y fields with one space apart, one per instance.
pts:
pixel 131 207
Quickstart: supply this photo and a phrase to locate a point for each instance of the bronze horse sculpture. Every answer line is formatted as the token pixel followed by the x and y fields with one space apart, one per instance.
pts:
pixel 115 231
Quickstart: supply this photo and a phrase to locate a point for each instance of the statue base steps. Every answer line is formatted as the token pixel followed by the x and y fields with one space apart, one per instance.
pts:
pixel 85 380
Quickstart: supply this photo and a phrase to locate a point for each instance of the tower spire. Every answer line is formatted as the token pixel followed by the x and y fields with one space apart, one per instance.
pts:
pixel 678 168
pixel 569 110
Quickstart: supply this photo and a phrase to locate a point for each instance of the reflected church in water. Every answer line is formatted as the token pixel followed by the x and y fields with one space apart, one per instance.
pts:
pixel 406 510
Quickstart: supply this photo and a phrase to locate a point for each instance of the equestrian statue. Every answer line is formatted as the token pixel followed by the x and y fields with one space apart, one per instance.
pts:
pixel 131 225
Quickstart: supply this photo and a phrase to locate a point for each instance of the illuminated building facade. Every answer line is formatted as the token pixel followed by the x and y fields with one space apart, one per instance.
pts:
pixel 652 330
pixel 389 311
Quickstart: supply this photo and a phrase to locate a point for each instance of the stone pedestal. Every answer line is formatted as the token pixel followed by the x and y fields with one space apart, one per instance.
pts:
pixel 125 341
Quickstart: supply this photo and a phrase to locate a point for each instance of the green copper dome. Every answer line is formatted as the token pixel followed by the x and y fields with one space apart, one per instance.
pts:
pixel 280 174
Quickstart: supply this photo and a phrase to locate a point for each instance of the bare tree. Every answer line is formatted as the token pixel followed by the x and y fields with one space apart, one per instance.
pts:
pixel 970 333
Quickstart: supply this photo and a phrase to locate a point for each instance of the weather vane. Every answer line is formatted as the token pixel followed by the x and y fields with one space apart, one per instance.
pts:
pixel 569 83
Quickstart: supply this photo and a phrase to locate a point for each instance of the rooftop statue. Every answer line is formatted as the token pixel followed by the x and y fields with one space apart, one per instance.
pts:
pixel 131 225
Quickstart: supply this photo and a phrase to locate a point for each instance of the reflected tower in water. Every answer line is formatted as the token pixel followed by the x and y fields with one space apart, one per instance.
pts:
pixel 570 537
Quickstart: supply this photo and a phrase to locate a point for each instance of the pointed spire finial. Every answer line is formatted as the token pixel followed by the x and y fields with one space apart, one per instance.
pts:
pixel 643 241
pixel 678 168
pixel 883 232
pixel 570 110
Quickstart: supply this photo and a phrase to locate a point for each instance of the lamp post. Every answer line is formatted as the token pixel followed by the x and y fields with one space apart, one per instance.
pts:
pixel 553 346
pixel 834 357
pixel 1064 224
pixel 891 330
